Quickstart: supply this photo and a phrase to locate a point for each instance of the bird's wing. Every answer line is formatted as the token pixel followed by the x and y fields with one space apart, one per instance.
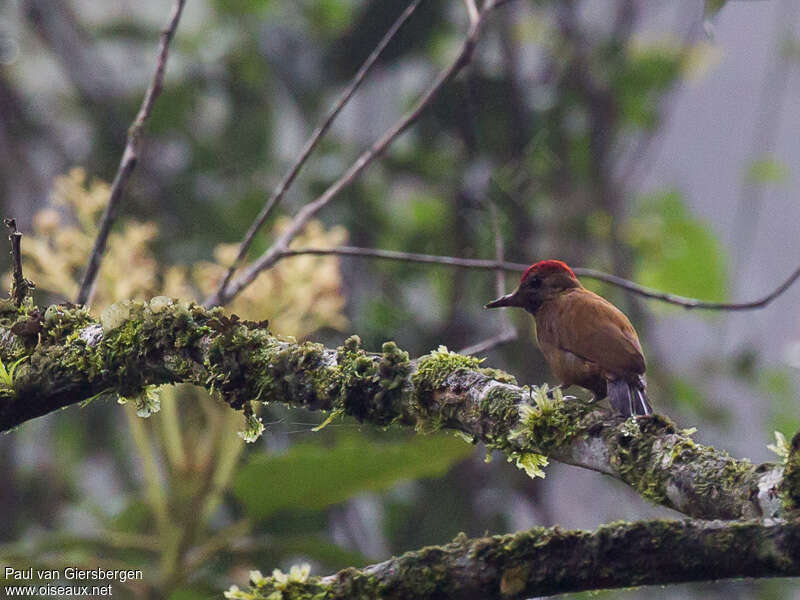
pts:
pixel 598 331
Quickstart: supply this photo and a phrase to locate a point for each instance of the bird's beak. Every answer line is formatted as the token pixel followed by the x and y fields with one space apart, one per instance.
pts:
pixel 507 300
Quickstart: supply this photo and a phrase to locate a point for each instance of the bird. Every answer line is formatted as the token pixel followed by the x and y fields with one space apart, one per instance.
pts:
pixel 586 340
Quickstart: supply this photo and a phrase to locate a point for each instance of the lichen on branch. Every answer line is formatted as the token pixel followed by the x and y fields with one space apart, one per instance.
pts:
pixel 549 561
pixel 69 356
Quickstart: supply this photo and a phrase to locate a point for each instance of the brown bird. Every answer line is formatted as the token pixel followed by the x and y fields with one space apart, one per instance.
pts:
pixel 586 340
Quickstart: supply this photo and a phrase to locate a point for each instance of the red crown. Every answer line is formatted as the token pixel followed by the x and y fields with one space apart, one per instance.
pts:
pixel 546 267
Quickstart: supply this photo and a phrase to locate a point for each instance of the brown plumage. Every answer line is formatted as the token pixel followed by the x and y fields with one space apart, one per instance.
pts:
pixel 586 340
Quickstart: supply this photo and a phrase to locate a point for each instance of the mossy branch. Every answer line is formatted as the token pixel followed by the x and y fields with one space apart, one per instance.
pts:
pixel 72 357
pixel 544 562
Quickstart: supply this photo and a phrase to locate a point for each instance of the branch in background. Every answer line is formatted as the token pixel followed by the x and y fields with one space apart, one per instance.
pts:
pixel 298 223
pixel 56 23
pixel 546 562
pixel 499 276
pixel 685 302
pixel 311 144
pixel 472 11
pixel 20 287
pixel 491 265
pixel 504 337
pixel 130 157
pixel 71 357
pixel 509 332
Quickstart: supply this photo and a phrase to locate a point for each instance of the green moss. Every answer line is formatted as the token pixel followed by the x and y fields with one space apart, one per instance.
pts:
pixel 638 462
pixel 548 426
pixel 393 370
pixel 433 369
pixel 498 375
pixel 790 484
pixel 501 405
pixel 62 323
pixel 359 378
pixel 648 453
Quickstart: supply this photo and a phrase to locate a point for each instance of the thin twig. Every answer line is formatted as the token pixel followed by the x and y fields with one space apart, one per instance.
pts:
pixel 508 332
pixel 450 261
pixel 491 265
pixel 472 11
pixel 683 301
pixel 130 157
pixel 280 191
pixel 298 223
pixel 505 336
pixel 19 285
pixel 499 277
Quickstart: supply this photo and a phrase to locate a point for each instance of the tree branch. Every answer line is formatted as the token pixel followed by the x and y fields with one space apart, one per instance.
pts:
pixel 311 144
pixel 130 157
pixel 508 332
pixel 493 265
pixel 546 562
pixel 71 357
pixel 301 219
pixel 472 11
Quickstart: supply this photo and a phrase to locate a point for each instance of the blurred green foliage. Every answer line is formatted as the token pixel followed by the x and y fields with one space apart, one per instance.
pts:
pixel 312 476
pixel 677 251
pixel 767 170
pixel 778 385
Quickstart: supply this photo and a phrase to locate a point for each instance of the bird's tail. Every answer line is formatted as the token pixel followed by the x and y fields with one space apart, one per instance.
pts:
pixel 628 397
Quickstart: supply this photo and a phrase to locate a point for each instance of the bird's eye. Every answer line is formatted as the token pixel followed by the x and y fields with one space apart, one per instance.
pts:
pixel 535 282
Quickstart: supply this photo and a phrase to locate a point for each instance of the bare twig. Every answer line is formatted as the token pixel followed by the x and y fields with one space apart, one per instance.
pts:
pixel 508 332
pixel 19 285
pixel 57 25
pixel 505 336
pixel 472 11
pixel 491 265
pixel 450 261
pixel 298 223
pixel 130 156
pixel 683 301
pixel 499 277
pixel 280 191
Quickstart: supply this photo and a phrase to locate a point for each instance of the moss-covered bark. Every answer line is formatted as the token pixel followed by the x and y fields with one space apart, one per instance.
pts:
pixel 68 357
pixel 543 562
pixel 790 484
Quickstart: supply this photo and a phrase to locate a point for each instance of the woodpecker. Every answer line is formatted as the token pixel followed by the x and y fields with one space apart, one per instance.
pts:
pixel 586 340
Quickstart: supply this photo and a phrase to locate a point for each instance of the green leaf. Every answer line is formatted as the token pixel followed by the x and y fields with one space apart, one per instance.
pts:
pixel 677 252
pixel 712 7
pixel 687 395
pixel 319 549
pixel 767 170
pixel 243 7
pixel 778 386
pixel 330 16
pixel 649 71
pixel 314 476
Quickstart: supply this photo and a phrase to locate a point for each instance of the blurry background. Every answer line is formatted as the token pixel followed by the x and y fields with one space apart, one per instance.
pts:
pixel 643 138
